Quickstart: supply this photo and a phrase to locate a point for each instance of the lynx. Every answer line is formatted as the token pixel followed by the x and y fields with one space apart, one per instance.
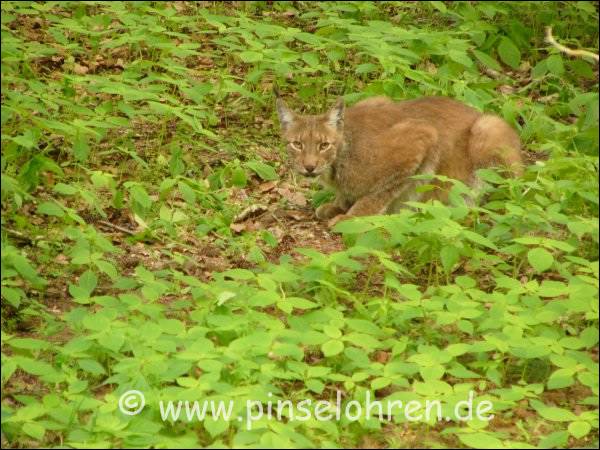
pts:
pixel 368 152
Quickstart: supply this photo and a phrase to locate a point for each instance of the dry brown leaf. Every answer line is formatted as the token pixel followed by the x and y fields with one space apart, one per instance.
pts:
pixel 296 215
pixel 237 227
pixel 80 70
pixel 382 357
pixel 548 98
pixel 506 89
pixel 61 259
pixel 266 187
pixel 277 232
pixel 254 226
pixel 179 6
pixel 297 198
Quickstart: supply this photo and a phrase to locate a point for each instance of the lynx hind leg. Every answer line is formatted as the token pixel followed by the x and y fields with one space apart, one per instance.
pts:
pixel 494 143
pixel 413 151
pixel 410 190
pixel 423 139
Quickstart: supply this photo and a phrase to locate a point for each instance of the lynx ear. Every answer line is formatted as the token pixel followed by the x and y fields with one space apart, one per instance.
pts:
pixel 335 116
pixel 286 115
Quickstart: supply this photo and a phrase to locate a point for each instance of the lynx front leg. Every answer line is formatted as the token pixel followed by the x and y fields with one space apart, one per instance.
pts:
pixel 328 210
pixel 375 203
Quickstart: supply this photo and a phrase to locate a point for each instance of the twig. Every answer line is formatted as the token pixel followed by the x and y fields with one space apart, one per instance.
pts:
pixel 492 73
pixel 251 211
pixel 569 51
pixel 117 227
pixel 18 235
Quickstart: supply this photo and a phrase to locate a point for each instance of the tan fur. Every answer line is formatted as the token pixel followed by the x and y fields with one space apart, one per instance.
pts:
pixel 368 153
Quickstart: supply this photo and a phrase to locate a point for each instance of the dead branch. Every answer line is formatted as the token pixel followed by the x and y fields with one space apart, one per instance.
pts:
pixel 569 51
pixel 117 227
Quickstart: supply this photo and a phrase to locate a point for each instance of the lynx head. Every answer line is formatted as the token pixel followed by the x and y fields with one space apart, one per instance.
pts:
pixel 312 141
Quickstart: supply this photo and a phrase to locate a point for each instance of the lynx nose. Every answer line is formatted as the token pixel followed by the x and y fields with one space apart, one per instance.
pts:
pixel 309 168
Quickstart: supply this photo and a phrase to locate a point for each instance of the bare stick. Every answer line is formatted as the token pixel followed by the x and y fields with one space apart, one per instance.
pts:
pixel 18 235
pixel 253 210
pixel 569 51
pixel 117 227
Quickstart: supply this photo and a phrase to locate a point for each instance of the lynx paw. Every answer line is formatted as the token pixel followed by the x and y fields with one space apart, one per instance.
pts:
pixel 327 211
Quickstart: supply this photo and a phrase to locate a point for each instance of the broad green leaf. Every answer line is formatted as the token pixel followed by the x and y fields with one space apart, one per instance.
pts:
pixel 27 140
pixel 35 430
pixel 509 53
pixel 81 148
pixel 51 209
pixel 65 189
pixel 332 347
pixel 28 343
pixel 480 440
pixel 460 57
pixel 215 427
pixel 250 56
pixel 25 269
pixel 35 367
pixel 264 171
pixel 561 378
pixel 487 60
pixel 540 259
pixel 88 281
pixel 92 366
pixel 238 177
pixel 363 340
pixel 315 385
pixel 579 429
pixel 589 336
pixel 479 239
pixel 449 256
pixel 301 303
pixel 553 413
pixel 312 59
pixel 554 63
pixel 434 372
pixel 380 383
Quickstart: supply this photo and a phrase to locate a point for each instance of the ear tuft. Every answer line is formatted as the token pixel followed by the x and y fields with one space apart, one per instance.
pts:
pixel 286 115
pixel 335 116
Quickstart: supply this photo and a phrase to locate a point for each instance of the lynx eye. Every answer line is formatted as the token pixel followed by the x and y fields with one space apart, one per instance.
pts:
pixel 296 145
pixel 324 146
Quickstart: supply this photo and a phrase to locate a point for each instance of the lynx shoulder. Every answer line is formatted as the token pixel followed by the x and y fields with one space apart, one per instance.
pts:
pixel 369 152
